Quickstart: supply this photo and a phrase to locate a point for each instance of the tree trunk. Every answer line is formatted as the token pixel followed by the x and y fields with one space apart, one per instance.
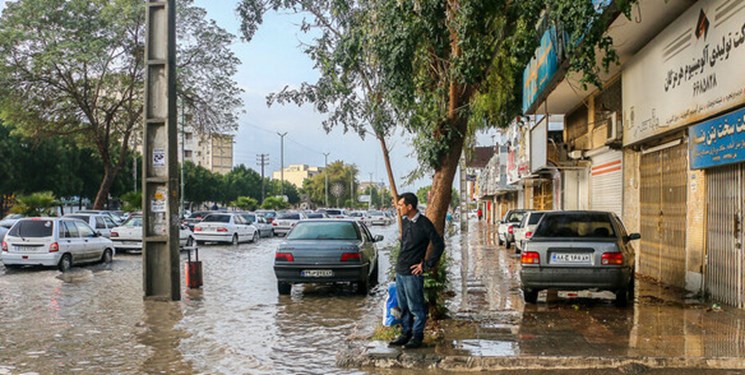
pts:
pixel 109 174
pixel 391 178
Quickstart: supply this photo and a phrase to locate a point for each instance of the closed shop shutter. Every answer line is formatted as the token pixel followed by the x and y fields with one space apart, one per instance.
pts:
pixel 606 182
pixel 664 176
pixel 725 268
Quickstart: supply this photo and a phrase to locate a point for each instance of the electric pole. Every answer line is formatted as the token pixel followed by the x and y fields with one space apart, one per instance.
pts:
pixel 262 160
pixel 282 161
pixel 326 174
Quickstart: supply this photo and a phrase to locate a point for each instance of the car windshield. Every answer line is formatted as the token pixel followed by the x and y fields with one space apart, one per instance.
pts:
pixel 376 213
pixel 315 216
pixel 356 214
pixel 575 225
pixel 333 212
pixel 32 229
pixel 516 217
pixel 79 217
pixel 216 219
pixel 250 218
pixel 133 222
pixel 324 230
pixel 289 217
pixel 535 218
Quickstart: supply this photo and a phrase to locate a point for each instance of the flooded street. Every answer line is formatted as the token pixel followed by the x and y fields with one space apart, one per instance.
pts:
pixel 93 320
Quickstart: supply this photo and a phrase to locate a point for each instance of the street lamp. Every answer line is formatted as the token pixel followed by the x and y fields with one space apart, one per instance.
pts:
pixel 282 161
pixel 326 174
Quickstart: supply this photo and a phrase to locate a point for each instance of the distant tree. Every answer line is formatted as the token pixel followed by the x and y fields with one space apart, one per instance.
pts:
pixel 75 68
pixel 422 193
pixel 338 174
pixel 200 185
pixel 36 204
pixel 245 203
pixel 241 181
pixel 273 188
pixel 274 203
pixel 131 201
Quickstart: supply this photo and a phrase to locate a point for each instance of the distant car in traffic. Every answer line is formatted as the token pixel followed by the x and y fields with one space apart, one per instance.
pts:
pixel 334 213
pixel 54 242
pixel 285 221
pixel 99 222
pixel 377 218
pixel 128 236
pixel 195 218
pixel 265 228
pixel 225 227
pixel 327 251
pixel 578 250
pixel 506 228
pixel 113 216
pixel 269 215
pixel 317 215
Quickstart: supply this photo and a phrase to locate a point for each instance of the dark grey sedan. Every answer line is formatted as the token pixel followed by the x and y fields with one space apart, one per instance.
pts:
pixel 577 250
pixel 320 251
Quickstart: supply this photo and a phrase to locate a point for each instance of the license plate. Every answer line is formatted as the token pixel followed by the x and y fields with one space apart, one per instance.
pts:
pixel 28 248
pixel 317 273
pixel 571 258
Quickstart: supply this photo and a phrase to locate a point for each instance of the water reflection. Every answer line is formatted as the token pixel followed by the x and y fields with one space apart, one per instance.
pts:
pixel 163 339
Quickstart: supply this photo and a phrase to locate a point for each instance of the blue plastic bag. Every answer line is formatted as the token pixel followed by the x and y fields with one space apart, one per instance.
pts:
pixel 392 315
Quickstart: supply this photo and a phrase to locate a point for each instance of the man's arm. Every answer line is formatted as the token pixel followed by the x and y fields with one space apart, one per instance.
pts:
pixel 438 246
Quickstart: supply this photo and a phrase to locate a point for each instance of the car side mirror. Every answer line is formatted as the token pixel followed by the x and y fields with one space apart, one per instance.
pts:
pixel 98 234
pixel 634 236
pixel 378 238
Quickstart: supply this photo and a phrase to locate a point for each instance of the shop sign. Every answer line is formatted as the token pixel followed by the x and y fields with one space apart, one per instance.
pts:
pixel 540 69
pixel 692 70
pixel 718 141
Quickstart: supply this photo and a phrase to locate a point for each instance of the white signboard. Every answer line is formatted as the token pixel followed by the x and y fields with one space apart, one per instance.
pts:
pixel 363 198
pixel 690 71
pixel 539 142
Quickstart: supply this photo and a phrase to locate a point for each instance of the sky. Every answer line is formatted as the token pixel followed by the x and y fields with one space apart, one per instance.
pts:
pixel 273 60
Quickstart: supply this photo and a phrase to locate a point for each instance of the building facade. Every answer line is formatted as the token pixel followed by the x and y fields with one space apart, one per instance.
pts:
pixel 211 151
pixel 297 173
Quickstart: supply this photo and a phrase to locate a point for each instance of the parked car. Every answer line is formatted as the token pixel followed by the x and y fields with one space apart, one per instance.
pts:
pixel 284 222
pixel 269 215
pixel 195 218
pixel 505 230
pixel 377 218
pixel 4 228
pixel 577 250
pixel 327 251
pixel 225 227
pixel 54 242
pixel 524 230
pixel 100 222
pixel 128 236
pixel 114 217
pixel 357 215
pixel 334 213
pixel 265 229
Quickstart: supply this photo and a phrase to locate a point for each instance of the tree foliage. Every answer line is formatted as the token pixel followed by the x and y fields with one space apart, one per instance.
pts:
pixel 75 68
pixel 131 201
pixel 274 203
pixel 36 204
pixel 339 174
pixel 245 203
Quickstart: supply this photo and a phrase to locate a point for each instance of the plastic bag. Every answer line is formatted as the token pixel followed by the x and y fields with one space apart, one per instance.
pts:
pixel 392 314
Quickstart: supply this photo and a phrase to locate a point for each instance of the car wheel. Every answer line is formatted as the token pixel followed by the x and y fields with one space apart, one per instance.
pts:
pixel 190 241
pixel 65 263
pixel 255 238
pixel 235 239
pixel 507 245
pixel 200 243
pixel 531 296
pixel 107 256
pixel 363 286
pixel 284 288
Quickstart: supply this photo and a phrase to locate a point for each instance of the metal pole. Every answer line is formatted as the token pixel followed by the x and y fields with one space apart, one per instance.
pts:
pixel 160 235
pixel 326 174
pixel 282 160
pixel 263 160
pixel 183 156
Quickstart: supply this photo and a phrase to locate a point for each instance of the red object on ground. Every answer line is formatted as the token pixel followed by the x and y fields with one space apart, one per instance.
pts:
pixel 193 272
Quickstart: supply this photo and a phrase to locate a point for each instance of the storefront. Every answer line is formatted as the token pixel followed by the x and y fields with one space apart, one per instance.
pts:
pixel 718 148
pixel 606 180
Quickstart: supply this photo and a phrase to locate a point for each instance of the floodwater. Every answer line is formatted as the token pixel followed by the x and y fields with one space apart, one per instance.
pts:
pixel 94 320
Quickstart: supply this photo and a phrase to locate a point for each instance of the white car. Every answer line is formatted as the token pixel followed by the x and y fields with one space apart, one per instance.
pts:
pixel 100 222
pixel 225 227
pixel 525 229
pixel 264 227
pixel 286 221
pixel 377 218
pixel 128 236
pixel 54 242
pixel 506 228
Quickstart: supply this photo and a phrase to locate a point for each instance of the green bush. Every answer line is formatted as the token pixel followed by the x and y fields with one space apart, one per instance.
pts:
pixel 245 203
pixel 131 201
pixel 274 203
pixel 36 204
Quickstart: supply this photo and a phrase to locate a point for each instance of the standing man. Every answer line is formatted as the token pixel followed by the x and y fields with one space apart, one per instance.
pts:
pixel 417 233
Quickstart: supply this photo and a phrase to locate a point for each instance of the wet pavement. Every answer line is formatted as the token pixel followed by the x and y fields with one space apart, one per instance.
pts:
pixel 93 320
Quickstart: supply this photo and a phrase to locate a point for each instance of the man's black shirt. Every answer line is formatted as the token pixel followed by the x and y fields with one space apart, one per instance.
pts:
pixel 417 234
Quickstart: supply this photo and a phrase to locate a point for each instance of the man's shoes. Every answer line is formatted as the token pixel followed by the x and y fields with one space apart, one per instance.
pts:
pixel 401 340
pixel 413 343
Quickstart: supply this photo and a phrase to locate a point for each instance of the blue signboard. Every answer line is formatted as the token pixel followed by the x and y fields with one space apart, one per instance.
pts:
pixel 540 69
pixel 718 141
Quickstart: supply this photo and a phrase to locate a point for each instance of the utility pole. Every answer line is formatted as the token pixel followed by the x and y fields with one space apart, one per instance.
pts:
pixel 351 186
pixel 183 155
pixel 282 161
pixel 262 160
pixel 326 173
pixel 161 266
pixel 369 202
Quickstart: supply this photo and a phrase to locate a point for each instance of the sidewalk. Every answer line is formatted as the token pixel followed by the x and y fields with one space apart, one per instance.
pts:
pixel 492 329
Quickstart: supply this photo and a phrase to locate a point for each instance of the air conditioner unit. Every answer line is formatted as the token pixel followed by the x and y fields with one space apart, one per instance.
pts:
pixel 575 155
pixel 614 133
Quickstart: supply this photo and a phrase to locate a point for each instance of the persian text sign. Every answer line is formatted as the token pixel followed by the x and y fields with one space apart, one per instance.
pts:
pixel 690 71
pixel 540 69
pixel 718 141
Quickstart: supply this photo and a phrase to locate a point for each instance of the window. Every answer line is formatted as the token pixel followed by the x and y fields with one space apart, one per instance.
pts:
pixel 216 219
pixel 188 153
pixel 72 230
pixel 188 136
pixel 100 224
pixel 32 229
pixel 85 230
pixel 133 222
pixel 289 217
pixel 325 230
pixel 584 225
pixel 109 223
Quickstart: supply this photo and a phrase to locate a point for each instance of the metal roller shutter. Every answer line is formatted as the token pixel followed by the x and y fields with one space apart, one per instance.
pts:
pixel 606 182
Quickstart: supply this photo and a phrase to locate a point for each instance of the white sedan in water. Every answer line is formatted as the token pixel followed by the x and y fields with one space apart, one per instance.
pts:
pixel 128 236
pixel 225 227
